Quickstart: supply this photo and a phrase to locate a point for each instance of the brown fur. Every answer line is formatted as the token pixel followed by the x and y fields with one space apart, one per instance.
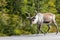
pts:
pixel 47 16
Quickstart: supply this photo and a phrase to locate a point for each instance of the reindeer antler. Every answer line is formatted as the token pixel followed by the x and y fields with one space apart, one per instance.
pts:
pixel 28 15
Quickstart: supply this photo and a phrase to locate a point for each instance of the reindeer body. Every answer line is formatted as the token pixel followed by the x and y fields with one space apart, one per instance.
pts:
pixel 40 18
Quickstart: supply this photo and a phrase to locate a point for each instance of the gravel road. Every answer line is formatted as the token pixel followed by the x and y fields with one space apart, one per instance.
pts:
pixel 48 36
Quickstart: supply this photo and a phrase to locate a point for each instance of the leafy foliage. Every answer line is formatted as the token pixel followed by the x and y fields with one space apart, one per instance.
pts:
pixel 13 15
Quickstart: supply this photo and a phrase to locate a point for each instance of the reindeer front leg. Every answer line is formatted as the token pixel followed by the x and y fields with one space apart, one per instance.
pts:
pixel 39 28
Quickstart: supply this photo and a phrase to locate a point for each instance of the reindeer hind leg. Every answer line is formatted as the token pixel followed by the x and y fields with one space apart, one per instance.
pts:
pixel 56 26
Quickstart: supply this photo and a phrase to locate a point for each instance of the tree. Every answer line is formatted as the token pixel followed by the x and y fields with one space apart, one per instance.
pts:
pixel 58 5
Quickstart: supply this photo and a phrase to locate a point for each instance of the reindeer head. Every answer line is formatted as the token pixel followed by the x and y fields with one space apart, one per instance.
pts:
pixel 33 20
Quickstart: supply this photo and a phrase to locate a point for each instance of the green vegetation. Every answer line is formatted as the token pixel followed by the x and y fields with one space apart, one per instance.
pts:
pixel 13 15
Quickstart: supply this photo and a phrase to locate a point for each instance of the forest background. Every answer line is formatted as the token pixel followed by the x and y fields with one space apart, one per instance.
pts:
pixel 13 15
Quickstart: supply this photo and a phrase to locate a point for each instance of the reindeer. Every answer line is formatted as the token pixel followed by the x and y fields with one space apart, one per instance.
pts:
pixel 40 19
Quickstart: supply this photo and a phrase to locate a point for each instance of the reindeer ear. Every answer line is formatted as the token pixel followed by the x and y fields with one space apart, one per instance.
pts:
pixel 28 17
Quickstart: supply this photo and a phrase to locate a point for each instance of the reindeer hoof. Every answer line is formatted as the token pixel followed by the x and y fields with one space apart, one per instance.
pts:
pixel 56 32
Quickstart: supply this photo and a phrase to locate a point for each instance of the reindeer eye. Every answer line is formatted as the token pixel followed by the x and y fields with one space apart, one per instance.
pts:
pixel 32 20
